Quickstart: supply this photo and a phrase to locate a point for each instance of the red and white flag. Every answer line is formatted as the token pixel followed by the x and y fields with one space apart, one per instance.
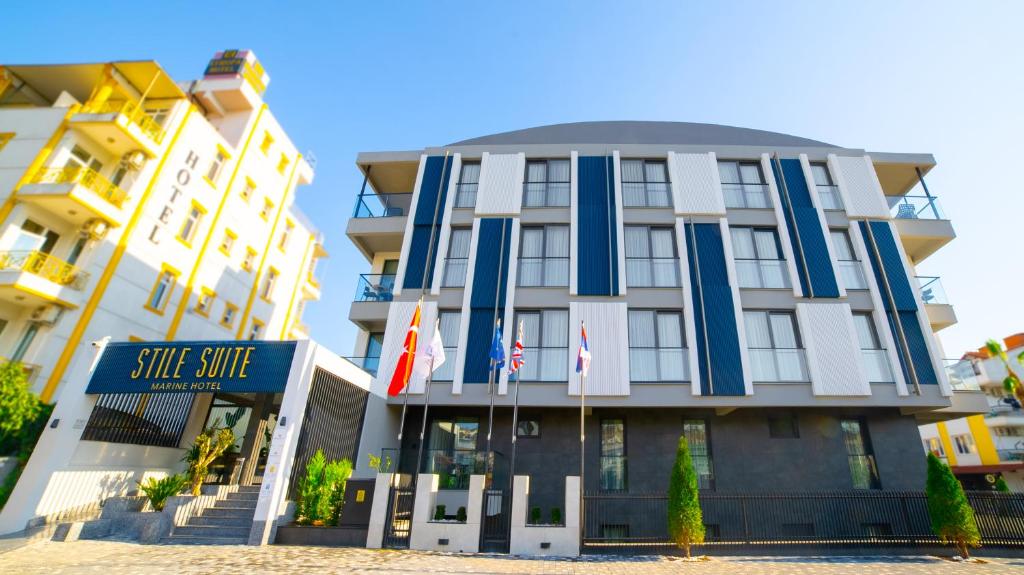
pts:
pixel 517 352
pixel 403 369
pixel 431 357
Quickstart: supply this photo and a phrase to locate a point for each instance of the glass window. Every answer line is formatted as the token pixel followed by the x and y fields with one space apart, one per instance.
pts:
pixel 268 206
pixel 267 289
pixel 657 350
pixel 191 224
pixel 528 428
pixel 227 319
pixel 216 166
pixel 160 295
pixel 25 342
pixel 449 325
pixel 205 301
pixel 743 184
pixel 696 433
pixel 546 183
pixel 545 344
pixel 876 361
pixel 828 192
pixel 759 259
pixel 228 242
pixel 544 256
pixel 651 257
pixel 645 184
pixel 613 455
pixel 774 346
pixel 457 262
pixel 964 444
pixel 451 451
pixel 248 190
pixel 863 470
pixel 250 259
pixel 255 330
pixel 286 234
pixel 469 182
pixel 850 269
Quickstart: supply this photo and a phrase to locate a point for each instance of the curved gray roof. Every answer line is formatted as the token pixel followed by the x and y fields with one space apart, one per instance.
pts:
pixel 631 132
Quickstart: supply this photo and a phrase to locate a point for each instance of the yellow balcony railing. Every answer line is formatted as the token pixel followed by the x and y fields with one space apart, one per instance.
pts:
pixel 300 327
pixel 136 115
pixel 86 177
pixel 45 266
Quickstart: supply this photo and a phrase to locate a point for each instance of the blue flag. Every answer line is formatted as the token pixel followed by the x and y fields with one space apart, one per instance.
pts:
pixel 497 350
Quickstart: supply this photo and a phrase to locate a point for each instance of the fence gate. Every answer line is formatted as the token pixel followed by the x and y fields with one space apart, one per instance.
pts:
pixel 398 526
pixel 495 523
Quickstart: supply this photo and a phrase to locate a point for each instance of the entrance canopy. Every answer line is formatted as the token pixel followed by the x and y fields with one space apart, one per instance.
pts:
pixel 193 366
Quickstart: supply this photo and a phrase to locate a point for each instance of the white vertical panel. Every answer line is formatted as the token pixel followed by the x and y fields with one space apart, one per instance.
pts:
pixel 428 315
pixel 460 360
pixel 812 190
pixel 833 355
pixel 780 218
pixel 858 183
pixel 878 315
pixel 737 304
pixel 574 202
pixel 922 317
pixel 444 234
pixel 501 184
pixel 689 312
pixel 399 318
pixel 620 230
pixel 607 338
pixel 407 238
pixel 696 185
pixel 508 330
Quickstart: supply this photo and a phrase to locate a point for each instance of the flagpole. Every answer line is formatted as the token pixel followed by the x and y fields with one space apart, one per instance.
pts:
pixel 583 451
pixel 405 398
pixel 426 406
pixel 488 470
pixel 515 428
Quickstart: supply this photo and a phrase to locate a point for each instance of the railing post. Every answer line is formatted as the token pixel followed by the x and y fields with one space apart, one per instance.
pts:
pixel 362 191
pixel 746 525
pixel 927 194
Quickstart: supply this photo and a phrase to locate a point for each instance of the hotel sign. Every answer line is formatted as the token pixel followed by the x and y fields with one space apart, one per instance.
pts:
pixel 193 366
pixel 229 62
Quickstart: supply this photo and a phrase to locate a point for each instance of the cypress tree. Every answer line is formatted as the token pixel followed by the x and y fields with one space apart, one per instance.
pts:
pixel 685 522
pixel 951 515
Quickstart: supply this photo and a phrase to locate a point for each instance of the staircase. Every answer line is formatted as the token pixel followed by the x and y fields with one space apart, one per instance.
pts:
pixel 228 522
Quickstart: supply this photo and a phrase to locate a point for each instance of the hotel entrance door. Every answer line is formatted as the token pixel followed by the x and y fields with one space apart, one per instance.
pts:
pixel 251 417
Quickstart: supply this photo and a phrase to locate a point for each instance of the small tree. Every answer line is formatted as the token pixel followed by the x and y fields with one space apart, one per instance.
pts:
pixel 1012 382
pixel 685 521
pixel 18 405
pixel 158 490
pixel 1001 485
pixel 951 515
pixel 208 446
pixel 322 490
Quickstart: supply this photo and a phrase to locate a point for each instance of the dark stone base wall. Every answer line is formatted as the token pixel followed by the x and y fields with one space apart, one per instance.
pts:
pixel 744 456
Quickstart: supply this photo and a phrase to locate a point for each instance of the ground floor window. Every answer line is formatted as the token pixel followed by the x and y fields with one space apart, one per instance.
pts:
pixel 613 455
pixel 696 432
pixel 451 451
pixel 863 470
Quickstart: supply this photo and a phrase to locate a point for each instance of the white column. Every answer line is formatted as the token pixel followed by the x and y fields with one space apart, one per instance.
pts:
pixel 379 510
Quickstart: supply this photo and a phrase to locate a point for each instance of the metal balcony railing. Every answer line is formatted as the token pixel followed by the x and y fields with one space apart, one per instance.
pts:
pixel 86 178
pixel 370 204
pixel 45 266
pixel 932 291
pixel 746 195
pixel 135 115
pixel 915 208
pixel 375 287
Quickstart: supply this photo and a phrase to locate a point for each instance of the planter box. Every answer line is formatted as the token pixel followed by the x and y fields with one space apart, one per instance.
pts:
pixel 321 536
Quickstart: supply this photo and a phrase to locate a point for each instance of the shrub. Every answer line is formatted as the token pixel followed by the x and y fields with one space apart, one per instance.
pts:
pixel 556 516
pixel 460 515
pixel 535 516
pixel 1001 485
pixel 208 446
pixel 158 490
pixel 19 407
pixel 951 515
pixel 685 521
pixel 322 490
pixel 439 513
pixel 23 444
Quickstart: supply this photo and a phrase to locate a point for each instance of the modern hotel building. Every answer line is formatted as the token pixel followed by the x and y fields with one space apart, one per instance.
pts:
pixel 753 291
pixel 142 208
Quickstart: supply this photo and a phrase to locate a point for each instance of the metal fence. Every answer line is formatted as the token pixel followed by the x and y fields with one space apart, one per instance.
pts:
pixel 139 418
pixel 637 522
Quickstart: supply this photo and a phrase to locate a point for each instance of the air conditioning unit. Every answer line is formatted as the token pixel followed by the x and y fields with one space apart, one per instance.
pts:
pixel 47 314
pixel 95 229
pixel 135 160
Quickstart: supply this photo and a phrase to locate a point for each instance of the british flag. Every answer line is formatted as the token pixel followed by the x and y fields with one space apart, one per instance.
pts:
pixel 517 352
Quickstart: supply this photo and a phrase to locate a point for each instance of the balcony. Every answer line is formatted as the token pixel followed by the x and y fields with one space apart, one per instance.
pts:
pixel 120 127
pixel 652 272
pixel 746 196
pixel 36 278
pixel 367 364
pixel 299 330
pixel 658 365
pixel 961 375
pixel 778 365
pixel 876 366
pixel 830 197
pixel 76 194
pixel 768 274
pixel 922 224
pixel 374 293
pixel 936 305
pixel 378 221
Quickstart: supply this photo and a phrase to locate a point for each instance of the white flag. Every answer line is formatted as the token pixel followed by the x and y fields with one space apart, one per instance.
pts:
pixel 435 350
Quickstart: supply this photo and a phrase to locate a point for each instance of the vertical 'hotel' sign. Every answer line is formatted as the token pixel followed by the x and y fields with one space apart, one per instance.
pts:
pixel 193 366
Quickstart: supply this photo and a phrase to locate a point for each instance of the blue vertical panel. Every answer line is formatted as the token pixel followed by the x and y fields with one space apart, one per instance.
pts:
pixel 710 280
pixel 490 280
pixel 427 215
pixel 597 228
pixel 888 258
pixel 804 224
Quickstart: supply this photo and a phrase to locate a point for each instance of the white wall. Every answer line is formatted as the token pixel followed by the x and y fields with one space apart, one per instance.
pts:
pixel 608 340
pixel 832 352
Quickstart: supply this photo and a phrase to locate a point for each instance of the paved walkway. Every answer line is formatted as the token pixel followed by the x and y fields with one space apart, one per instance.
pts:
pixel 109 558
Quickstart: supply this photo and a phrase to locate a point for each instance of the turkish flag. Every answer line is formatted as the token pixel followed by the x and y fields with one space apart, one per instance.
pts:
pixel 403 369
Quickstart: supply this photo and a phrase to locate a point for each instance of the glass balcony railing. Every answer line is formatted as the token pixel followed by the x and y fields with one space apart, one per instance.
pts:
pixel 86 178
pixel 932 291
pixel 658 365
pixel 915 208
pixel 45 266
pixel 652 272
pixel 545 194
pixel 375 287
pixel 746 195
pixel 876 363
pixel 455 272
pixel 370 204
pixel 367 364
pixel 830 198
pixel 762 273
pixel 778 365
pixel 961 374
pixel 543 272
pixel 852 274
pixel 646 195
pixel 545 364
pixel 465 194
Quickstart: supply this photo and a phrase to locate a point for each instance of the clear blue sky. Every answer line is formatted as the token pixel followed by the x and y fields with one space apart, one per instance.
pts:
pixel 931 77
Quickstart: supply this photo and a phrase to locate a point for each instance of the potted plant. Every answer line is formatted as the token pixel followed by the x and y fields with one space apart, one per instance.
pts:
pixel 207 447
pixel 322 490
pixel 158 490
pixel 439 513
